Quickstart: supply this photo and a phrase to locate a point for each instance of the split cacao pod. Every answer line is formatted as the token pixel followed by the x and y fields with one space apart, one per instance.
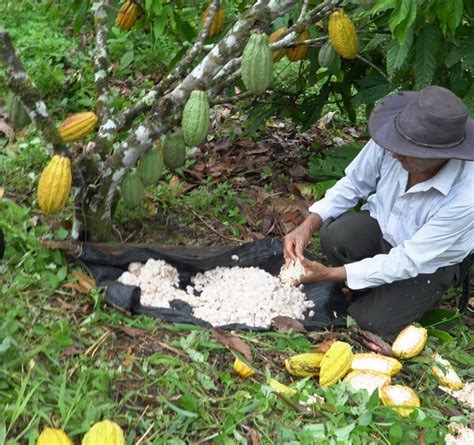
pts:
pixel 327 57
pixel 195 120
pixel 174 150
pixel 298 52
pixel 376 362
pixel 151 167
pixel 218 21
pixel 132 189
pixel 243 369
pixel 343 35
pixel 304 365
pixel 410 342
pixel 368 380
pixel 401 398
pixel 280 388
pixel 17 113
pixel 336 362
pixel 53 436
pixel 445 373
pixel 127 15
pixel 104 433
pixel 274 37
pixel 54 184
pixel 75 127
pixel 257 64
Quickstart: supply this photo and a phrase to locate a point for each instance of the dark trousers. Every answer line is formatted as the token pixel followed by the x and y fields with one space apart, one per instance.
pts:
pixel 387 309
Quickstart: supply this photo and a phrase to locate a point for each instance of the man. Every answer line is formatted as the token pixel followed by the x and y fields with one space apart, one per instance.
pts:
pixel 403 250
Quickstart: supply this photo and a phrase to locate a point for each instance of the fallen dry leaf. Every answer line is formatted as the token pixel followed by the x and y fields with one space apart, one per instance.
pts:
pixel 286 324
pixel 86 282
pixel 132 332
pixel 324 345
pixel 71 351
pixel 232 341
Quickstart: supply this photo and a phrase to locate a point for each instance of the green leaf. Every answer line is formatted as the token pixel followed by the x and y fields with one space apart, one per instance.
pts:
pixel 426 49
pixel 397 53
pixel 439 317
pixel 403 28
pixel 382 5
pixel 399 14
pixel 440 335
pixel 468 100
pixel 455 11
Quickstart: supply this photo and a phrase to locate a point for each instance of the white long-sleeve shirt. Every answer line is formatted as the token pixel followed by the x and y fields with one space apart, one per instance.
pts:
pixel 429 226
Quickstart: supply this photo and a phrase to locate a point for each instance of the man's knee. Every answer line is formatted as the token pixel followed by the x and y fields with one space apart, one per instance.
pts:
pixel 380 324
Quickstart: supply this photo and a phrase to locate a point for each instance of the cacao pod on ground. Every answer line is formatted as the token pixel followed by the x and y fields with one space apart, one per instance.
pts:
pixel 132 189
pixel 343 35
pixel 218 22
pixel 54 184
pixel 335 364
pixel 151 167
pixel 257 64
pixel 274 37
pixel 298 52
pixel 280 388
pixel 243 369
pixel 17 113
pixel 104 433
pixel 445 373
pixel 195 120
pixel 376 362
pixel 77 126
pixel 410 342
pixel 368 380
pixel 174 150
pixel 400 398
pixel 127 15
pixel 304 365
pixel 53 436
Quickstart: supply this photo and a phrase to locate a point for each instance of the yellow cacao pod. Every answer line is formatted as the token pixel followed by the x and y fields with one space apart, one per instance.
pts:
pixel 342 34
pixel 298 52
pixel 104 433
pixel 280 388
pixel 218 21
pixel 336 362
pixel 127 15
pixel 368 380
pixel 304 365
pixel 243 369
pixel 54 184
pixel 445 373
pixel 400 398
pixel 410 342
pixel 77 126
pixel 274 37
pixel 376 362
pixel 53 436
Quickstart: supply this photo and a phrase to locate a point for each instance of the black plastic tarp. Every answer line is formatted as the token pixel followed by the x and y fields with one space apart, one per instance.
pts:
pixel 330 305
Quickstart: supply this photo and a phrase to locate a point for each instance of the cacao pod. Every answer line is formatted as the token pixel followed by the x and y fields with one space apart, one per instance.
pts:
pixel 327 57
pixel 54 184
pixel 195 120
pixel 174 150
pixel 335 364
pixel 342 35
pixel 218 21
pixel 410 342
pixel 53 436
pixel 132 189
pixel 304 365
pixel 280 388
pixel 127 15
pixel 274 37
pixel 445 373
pixel 257 64
pixel 104 433
pixel 298 52
pixel 399 397
pixel 243 369
pixel 368 380
pixel 17 113
pixel 151 167
pixel 376 362
pixel 77 126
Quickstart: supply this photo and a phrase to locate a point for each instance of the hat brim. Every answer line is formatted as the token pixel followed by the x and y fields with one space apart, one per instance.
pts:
pixel 383 132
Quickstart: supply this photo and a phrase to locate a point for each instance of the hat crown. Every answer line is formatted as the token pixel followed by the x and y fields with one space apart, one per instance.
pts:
pixel 435 118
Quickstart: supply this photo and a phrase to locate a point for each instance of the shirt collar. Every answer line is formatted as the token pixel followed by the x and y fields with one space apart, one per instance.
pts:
pixel 444 179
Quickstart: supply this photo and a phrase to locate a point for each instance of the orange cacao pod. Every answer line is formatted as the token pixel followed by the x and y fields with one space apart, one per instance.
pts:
pixel 298 52
pixel 127 15
pixel 217 23
pixel 274 37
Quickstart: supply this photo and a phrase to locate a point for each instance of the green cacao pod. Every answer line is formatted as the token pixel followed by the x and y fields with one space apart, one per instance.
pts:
pixel 335 364
pixel 342 35
pixel 127 15
pixel 257 64
pixel 54 185
pixel 299 52
pixel 218 22
pixel 327 57
pixel 195 120
pixel 75 127
pixel 274 37
pixel 104 433
pixel 174 150
pixel 53 436
pixel 17 113
pixel 132 189
pixel 150 167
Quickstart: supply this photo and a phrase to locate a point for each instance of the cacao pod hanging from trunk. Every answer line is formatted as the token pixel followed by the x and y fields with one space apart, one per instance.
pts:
pixel 257 64
pixel 77 126
pixel 127 15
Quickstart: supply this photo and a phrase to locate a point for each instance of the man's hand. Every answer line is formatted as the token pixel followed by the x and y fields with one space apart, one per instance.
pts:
pixel 295 242
pixel 316 272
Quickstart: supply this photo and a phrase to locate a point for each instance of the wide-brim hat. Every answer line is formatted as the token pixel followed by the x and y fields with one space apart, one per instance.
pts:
pixel 432 123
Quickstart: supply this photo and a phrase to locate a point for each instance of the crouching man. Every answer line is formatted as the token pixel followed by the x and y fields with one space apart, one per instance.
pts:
pixel 403 250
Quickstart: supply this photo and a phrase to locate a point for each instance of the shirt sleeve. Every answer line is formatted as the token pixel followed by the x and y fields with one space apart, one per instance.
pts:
pixel 361 177
pixel 433 246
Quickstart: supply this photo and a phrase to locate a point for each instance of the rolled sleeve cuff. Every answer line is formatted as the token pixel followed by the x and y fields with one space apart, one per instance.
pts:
pixel 357 275
pixel 322 208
